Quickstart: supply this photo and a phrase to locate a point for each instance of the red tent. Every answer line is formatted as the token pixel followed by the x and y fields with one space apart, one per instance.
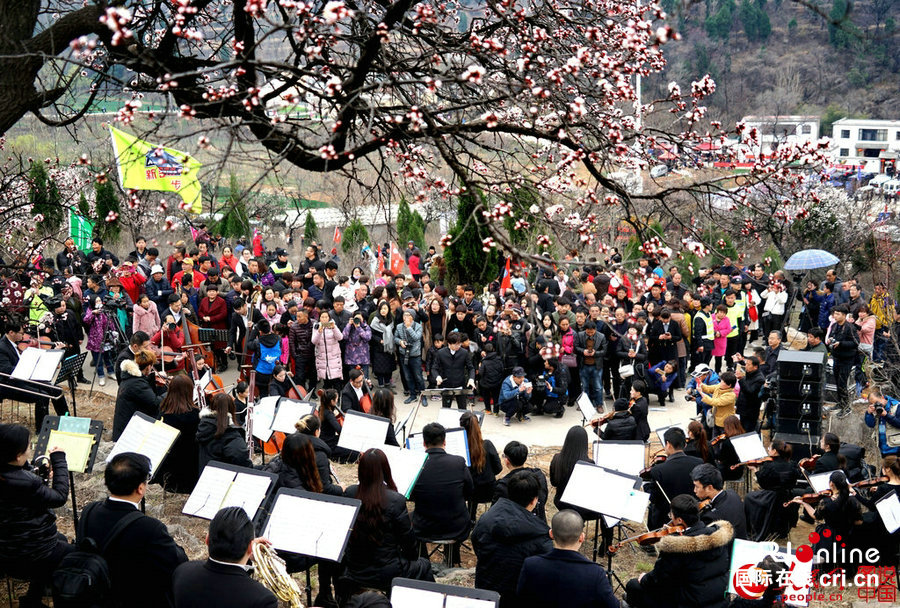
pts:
pixel 707 146
pixel 667 156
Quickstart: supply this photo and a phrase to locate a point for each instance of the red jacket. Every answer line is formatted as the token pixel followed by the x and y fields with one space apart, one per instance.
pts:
pixel 132 284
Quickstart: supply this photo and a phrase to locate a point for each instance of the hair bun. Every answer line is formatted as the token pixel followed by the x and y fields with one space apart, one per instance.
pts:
pixel 320 392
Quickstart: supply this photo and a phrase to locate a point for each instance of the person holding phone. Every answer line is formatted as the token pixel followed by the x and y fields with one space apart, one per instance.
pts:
pixel 326 338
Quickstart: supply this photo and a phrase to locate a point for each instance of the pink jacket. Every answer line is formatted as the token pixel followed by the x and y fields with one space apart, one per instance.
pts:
pixel 867 330
pixel 146 320
pixel 724 328
pixel 328 353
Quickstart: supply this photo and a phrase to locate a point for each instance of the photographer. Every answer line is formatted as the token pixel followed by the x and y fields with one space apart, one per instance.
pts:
pixel 30 545
pixel 120 302
pixel 883 412
pixel 169 338
pixel 326 338
pixel 555 381
pixel 408 338
pixel 515 393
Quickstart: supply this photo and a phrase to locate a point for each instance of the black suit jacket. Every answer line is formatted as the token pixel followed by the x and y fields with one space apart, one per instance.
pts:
pixel 348 397
pixel 454 370
pixel 141 560
pixel 727 505
pixel 9 358
pixel 203 584
pixel 674 475
pixel 440 495
pixel 564 579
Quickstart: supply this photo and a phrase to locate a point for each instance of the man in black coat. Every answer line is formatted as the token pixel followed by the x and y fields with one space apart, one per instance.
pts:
pixel 515 455
pixel 564 578
pixel 144 556
pixel 441 492
pixel 506 535
pixel 673 477
pixel 663 336
pixel 621 427
pixel 692 568
pixel 724 504
pixel 10 388
pixel 139 341
pixel 749 402
pixel 224 579
pixel 453 368
pixel 136 393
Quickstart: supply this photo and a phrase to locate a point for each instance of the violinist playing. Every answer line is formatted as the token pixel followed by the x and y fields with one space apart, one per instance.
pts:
pixel 669 478
pixel 692 568
pixel 66 330
pixel 830 459
pixel 723 504
pixel 872 532
pixel 776 480
pixel 838 511
pixel 169 338
pixel 621 427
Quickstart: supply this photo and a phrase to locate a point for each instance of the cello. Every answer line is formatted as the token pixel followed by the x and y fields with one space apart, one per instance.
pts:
pixel 192 339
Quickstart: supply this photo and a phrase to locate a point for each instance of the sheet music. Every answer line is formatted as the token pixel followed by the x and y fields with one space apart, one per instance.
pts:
pixel 406 465
pixel 362 432
pixel 47 364
pixel 407 597
pixel 457 443
pixel 889 509
pixel 626 458
pixel 28 360
pixel 72 424
pixel 263 417
pixel 586 407
pixel 77 447
pixel 152 439
pixel 618 499
pixel 288 412
pixel 458 601
pixel 662 431
pixel 322 533
pixel 247 492
pixel 820 481
pixel 749 447
pixel 211 488
pixel 131 438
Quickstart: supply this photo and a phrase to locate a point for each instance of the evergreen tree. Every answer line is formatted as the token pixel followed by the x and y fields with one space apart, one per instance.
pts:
pixel 84 208
pixel 236 221
pixel 417 230
pixel 521 199
pixel 466 260
pixel 106 201
pixel 44 197
pixel 404 222
pixel 310 230
pixel 354 236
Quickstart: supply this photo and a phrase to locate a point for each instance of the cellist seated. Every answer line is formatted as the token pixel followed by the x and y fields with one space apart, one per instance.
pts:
pixel 281 384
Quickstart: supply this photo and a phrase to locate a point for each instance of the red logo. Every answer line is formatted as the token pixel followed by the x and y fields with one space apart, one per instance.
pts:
pixel 750 582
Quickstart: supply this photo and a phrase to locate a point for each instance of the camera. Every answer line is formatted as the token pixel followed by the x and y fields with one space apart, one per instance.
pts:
pixel 689 398
pixel 171 326
pixel 879 410
pixel 42 467
pixel 112 303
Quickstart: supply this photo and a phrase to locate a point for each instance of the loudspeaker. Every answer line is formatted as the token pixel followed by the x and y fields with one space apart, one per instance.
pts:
pixel 806 390
pixel 801 365
pixel 800 444
pixel 799 426
pixel 799 408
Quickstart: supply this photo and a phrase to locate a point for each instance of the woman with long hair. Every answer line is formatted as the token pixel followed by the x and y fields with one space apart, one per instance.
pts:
pixel 382 545
pixel 485 462
pixel 839 513
pixel 830 460
pixel 726 456
pixel 309 426
pixel 872 532
pixel 382 343
pixel 296 466
pixel 178 472
pixel 30 545
pixel 218 436
pixel 326 338
pixel 698 443
pixel 383 406
pixel 778 477
pixel 574 450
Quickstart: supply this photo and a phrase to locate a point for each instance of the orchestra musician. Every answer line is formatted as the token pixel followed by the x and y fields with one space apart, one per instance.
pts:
pixel 723 504
pixel 697 442
pixel 872 532
pixel 830 444
pixel 138 391
pixel 765 510
pixel 669 478
pixel 41 394
pixel 622 426
pixel 726 456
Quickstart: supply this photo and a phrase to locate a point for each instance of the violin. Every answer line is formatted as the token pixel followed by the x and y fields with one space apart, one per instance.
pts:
pixel 716 440
pixel 649 538
pixel 869 483
pixel 598 422
pixel 752 463
pixel 656 459
pixel 704 504
pixel 809 464
pixel 42 343
pixel 811 498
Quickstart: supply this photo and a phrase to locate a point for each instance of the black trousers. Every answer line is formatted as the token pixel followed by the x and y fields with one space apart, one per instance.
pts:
pixel 39 572
pixel 41 404
pixel 634 594
pixel 447 401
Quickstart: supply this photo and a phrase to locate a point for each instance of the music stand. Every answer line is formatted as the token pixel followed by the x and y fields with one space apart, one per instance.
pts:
pixel 210 335
pixel 69 371
pixel 52 423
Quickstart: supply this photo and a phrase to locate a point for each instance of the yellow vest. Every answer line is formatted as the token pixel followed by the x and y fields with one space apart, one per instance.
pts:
pixel 710 333
pixel 735 314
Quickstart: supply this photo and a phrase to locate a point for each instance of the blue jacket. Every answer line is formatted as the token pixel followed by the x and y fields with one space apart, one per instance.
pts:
pixel 662 386
pixel 564 579
pixel 826 303
pixel 508 390
pixel 892 418
pixel 713 378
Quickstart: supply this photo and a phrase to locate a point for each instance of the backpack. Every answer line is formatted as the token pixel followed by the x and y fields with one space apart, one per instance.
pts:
pixel 82 579
pixel 268 357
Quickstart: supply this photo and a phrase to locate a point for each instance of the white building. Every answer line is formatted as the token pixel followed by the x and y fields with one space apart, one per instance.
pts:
pixel 777 131
pixel 875 144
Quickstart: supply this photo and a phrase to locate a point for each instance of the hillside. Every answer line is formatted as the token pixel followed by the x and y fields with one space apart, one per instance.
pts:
pixel 782 58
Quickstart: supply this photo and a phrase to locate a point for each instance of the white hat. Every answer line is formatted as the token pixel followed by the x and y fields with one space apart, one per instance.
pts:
pixel 701 369
pixel 156 268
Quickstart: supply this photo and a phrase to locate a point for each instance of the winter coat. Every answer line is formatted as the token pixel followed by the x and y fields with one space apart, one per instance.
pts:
pixel 845 345
pixel 27 522
pixel 486 479
pixel 230 448
pixel 600 347
pixel 502 539
pixel 382 345
pixel 775 301
pixel 328 352
pixel 178 472
pixel 323 455
pixel 490 372
pixel 136 394
pixel 720 343
pixel 159 292
pixel 622 427
pixel 98 325
pixel 356 343
pixel 300 338
pixel 375 562
pixel 412 335
pixel 146 320
pixel 722 399
pixel 692 569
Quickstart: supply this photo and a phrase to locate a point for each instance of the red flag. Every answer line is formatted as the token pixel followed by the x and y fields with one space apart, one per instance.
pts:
pixel 506 281
pixel 337 236
pixel 380 260
pixel 396 259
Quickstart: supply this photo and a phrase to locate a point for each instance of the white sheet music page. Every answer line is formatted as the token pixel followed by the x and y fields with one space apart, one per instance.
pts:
pixel 749 447
pixel 322 532
pixel 660 432
pixel 288 413
pixel 586 407
pixel 820 481
pixel 28 360
pixel 209 492
pixel 247 492
pixel 132 437
pixel 263 417
pixel 407 597
pixel 617 499
pixel 458 444
pixel 157 443
pixel 458 601
pixel 626 458
pixel 360 432
pixel 47 365
pixel 889 509
pixel 406 465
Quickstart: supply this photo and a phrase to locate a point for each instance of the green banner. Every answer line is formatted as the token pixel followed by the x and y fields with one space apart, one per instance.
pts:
pixel 81 229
